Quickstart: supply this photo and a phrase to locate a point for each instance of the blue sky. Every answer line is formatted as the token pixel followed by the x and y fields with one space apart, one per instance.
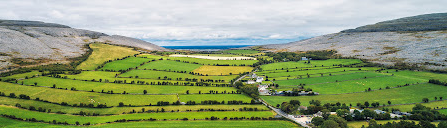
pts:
pixel 217 22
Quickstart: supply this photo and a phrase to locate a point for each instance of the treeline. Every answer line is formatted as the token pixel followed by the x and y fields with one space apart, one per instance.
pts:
pixel 201 83
pixel 144 110
pixel 26 97
pixel 292 56
pixel 405 124
pixel 438 82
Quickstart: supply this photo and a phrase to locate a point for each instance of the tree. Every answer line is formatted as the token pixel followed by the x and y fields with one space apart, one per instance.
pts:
pixel 436 98
pixel 389 102
pixel 330 124
pixel 442 124
pixel 367 104
pixel 144 91
pixel 425 100
pixel 317 121
pixel 187 91
pixel 295 102
pixel 121 104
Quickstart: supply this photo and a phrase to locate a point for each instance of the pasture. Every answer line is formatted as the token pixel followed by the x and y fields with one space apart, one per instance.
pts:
pixel 169 65
pixel 120 88
pixel 76 97
pixel 119 110
pixel 124 64
pixel 9 123
pixel 402 95
pixel 71 119
pixel 102 53
pixel 172 75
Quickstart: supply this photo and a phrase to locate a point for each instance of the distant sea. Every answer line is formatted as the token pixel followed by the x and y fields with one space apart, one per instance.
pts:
pixel 206 47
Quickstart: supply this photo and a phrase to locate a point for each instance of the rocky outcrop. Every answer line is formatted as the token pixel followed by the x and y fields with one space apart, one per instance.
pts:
pixel 419 45
pixel 39 40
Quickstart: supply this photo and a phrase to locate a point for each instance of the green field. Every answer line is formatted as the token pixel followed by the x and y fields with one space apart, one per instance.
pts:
pixel 362 84
pixel 9 123
pixel 169 65
pixel 443 111
pixel 304 73
pixel 118 110
pixel 173 75
pixel 119 88
pixel 76 97
pixel 23 75
pixel 71 119
pixel 402 95
pixel 124 64
pixel 217 97
pixel 301 64
pixel 203 61
pixel 326 79
pixel 409 107
pixel 102 53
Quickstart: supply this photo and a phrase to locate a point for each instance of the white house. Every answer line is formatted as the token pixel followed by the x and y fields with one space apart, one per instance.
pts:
pixel 259 79
pixel 303 58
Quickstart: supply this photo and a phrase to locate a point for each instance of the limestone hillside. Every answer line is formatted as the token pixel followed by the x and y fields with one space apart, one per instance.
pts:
pixel 419 40
pixel 33 40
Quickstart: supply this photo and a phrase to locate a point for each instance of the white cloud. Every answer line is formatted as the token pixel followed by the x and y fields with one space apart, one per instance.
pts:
pixel 209 19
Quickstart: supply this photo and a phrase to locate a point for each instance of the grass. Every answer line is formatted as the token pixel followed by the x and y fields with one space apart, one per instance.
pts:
pixel 358 124
pixel 119 88
pixel 9 123
pixel 118 110
pixel 102 53
pixel 76 97
pixel 402 95
pixel 222 70
pixel 20 113
pixel 125 64
pixel 173 75
pixel 443 111
pixel 217 97
pixel 169 65
pixel 202 61
pixel 316 80
pixel 304 73
pixel 409 107
pixel 362 85
pixel 421 75
pixel 300 64
pixel 23 75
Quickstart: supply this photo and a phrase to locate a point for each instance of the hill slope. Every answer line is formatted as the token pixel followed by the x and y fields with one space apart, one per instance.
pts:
pixel 420 40
pixel 53 42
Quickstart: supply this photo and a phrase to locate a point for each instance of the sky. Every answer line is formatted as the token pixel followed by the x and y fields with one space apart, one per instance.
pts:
pixel 212 22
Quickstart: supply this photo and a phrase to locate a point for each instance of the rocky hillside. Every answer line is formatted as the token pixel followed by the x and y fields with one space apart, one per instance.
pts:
pixel 419 40
pixel 33 40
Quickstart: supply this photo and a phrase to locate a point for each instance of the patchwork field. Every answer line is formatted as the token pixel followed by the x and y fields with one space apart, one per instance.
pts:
pixel 121 87
pixel 402 95
pixel 104 52
pixel 168 65
pixel 125 64
pixel 9 123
